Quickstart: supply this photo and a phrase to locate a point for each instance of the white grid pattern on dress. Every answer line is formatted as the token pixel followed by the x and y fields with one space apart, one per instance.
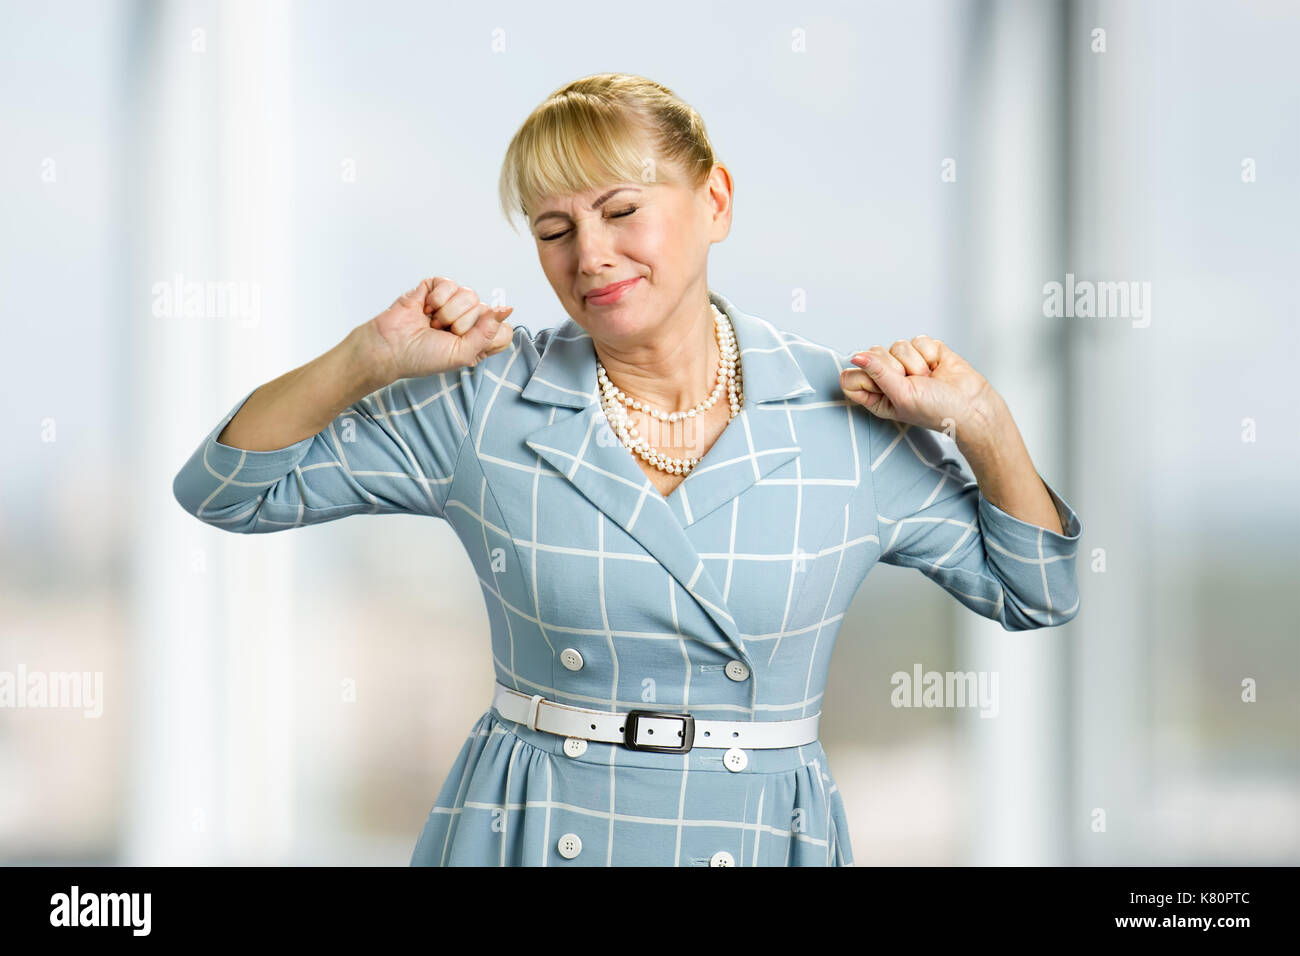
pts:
pixel 754 557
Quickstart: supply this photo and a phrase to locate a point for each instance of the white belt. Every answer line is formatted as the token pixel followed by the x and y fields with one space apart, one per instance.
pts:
pixel 651 729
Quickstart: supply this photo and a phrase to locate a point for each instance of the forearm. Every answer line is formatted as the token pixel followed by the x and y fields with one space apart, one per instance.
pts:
pixel 301 403
pixel 992 445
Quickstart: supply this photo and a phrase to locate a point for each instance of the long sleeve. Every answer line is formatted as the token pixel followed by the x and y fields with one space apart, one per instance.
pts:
pixel 933 517
pixel 394 451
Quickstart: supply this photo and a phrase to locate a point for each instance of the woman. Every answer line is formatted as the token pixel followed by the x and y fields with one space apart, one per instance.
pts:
pixel 669 504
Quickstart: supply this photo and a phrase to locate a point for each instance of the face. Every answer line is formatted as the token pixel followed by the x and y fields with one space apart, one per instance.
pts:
pixel 657 235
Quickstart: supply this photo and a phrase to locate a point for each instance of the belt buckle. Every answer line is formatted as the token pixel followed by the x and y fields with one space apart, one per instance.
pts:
pixel 687 732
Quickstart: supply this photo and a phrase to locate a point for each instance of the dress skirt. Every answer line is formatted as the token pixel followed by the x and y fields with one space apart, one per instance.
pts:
pixel 515 798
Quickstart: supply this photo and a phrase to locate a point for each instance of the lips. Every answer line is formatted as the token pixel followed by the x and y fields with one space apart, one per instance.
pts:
pixel 609 289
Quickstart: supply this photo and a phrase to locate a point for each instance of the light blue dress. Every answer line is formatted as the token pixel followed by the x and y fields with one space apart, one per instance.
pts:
pixel 754 557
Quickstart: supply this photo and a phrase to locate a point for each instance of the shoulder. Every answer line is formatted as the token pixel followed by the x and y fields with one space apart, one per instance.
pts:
pixel 515 363
pixel 525 346
pixel 825 404
pixel 547 361
pixel 819 364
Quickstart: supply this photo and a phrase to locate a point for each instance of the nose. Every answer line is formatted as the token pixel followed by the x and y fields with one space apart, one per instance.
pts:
pixel 595 253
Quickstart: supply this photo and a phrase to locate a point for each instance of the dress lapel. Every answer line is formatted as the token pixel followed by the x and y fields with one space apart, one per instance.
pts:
pixel 583 448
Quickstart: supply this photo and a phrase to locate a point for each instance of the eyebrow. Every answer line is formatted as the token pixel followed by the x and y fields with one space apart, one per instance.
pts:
pixel 594 206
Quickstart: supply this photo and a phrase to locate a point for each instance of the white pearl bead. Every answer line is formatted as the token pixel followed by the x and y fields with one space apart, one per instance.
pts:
pixel 729 380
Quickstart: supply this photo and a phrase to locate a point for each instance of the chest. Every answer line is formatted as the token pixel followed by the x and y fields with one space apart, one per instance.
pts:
pixel 692 438
pixel 573 534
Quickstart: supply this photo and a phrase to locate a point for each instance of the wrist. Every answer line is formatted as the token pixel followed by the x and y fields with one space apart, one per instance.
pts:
pixel 986 427
pixel 367 357
pixel 994 448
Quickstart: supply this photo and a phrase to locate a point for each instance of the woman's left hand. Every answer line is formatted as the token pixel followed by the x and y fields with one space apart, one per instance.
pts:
pixel 919 382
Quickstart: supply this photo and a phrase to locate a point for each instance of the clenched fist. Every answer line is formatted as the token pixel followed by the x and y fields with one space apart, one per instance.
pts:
pixel 918 382
pixel 436 327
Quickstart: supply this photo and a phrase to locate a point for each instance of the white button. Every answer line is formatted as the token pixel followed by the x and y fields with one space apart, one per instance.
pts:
pixel 570 846
pixel 571 659
pixel 735 759
pixel 737 670
pixel 722 858
pixel 575 746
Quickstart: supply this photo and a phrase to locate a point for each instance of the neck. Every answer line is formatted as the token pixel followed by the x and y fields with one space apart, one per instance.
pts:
pixel 675 368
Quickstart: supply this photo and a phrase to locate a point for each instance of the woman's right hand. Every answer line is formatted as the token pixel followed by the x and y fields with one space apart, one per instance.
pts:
pixel 435 327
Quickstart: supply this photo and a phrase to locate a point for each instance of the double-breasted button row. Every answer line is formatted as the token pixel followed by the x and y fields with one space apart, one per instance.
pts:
pixel 570 845
pixel 572 660
pixel 734 759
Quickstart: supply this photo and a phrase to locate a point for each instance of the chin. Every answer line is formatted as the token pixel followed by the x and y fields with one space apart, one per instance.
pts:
pixel 621 323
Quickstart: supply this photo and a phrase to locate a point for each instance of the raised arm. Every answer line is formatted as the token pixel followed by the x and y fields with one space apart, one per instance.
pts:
pixel 375 425
pixel 1017 569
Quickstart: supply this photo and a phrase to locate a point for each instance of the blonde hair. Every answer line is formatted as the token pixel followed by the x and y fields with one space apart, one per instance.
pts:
pixel 595 131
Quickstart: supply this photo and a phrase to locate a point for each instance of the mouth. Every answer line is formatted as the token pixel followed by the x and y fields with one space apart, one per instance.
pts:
pixel 610 293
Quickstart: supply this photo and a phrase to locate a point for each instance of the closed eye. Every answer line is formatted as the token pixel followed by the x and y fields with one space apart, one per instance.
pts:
pixel 617 215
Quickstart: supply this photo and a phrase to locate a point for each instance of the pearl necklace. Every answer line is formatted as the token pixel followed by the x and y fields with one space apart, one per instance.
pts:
pixel 616 402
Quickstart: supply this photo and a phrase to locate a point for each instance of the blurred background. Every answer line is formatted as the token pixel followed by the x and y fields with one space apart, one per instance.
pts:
pixel 929 167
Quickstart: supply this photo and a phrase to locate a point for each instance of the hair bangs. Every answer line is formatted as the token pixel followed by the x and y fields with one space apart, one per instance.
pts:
pixel 573 150
pixel 602 129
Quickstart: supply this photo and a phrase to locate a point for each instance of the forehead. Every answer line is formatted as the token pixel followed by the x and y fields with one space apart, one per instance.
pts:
pixel 585 198
pixel 589 201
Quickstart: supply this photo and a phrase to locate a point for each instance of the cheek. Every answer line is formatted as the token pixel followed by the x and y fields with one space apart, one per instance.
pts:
pixel 553 264
pixel 649 242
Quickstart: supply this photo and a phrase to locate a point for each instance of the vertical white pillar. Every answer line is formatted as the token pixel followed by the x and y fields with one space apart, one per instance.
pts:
pixel 207 181
pixel 255 166
pixel 1109 668
pixel 1014 228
